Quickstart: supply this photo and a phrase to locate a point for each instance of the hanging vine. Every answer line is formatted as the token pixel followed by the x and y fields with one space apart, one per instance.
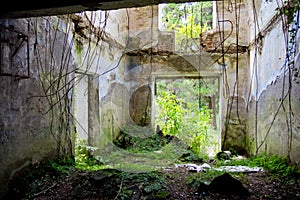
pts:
pixel 290 20
pixel 56 72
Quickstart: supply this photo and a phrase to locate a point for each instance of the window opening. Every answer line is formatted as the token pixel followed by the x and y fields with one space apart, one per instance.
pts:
pixel 187 20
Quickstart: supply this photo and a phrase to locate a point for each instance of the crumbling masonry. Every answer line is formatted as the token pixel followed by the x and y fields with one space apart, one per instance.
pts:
pixel 93 72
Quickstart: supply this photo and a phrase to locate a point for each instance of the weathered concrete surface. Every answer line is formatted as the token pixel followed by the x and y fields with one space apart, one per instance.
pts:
pixel 234 106
pixel 34 8
pixel 81 106
pixel 101 38
pixel 141 101
pixel 233 20
pixel 273 125
pixel 274 128
pixel 34 108
pixel 229 42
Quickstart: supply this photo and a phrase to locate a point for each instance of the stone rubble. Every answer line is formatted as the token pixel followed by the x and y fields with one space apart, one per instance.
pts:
pixel 205 166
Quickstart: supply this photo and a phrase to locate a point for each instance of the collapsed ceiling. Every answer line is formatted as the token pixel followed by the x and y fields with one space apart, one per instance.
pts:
pixel 35 8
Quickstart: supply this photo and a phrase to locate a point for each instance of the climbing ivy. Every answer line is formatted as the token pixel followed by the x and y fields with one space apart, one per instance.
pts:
pixel 289 9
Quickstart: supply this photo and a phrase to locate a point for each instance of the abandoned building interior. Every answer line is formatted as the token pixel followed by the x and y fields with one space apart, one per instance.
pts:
pixel 78 72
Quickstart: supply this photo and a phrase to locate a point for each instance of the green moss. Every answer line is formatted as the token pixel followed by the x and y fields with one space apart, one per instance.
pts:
pixel 78 47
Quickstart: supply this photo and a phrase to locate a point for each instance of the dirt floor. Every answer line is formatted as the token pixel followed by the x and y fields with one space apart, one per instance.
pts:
pixel 173 183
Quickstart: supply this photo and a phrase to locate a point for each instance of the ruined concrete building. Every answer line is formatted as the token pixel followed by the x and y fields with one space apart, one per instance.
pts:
pixel 94 72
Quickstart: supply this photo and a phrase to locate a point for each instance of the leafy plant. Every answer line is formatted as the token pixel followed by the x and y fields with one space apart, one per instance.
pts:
pixel 83 158
pixel 175 14
pixel 289 9
pixel 188 21
pixel 171 114
pixel 186 119
pixel 186 33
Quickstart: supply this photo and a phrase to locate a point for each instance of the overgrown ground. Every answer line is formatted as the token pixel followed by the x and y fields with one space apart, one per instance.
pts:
pixel 88 178
pixel 56 181
pixel 62 180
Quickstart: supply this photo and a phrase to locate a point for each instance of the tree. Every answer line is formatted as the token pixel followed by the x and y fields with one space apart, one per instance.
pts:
pixel 180 114
pixel 188 21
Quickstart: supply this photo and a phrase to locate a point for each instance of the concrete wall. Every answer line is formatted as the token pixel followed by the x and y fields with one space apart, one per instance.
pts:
pixel 119 61
pixel 35 107
pixel 229 40
pixel 262 116
pixel 147 55
pixel 100 40
pixel 66 57
pixel 251 77
pixel 126 92
pixel 274 97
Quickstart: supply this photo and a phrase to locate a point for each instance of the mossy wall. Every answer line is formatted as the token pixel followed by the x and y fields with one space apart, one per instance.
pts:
pixel 35 103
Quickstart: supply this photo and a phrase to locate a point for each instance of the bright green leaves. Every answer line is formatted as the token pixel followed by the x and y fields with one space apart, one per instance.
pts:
pixel 181 113
pixel 188 21
pixel 171 114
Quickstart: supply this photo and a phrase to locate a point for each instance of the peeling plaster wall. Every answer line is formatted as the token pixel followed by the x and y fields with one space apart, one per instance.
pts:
pixel 123 86
pixel 29 131
pixel 273 112
pixel 234 103
pixel 235 71
pixel 226 19
pixel 100 59
pixel 147 53
pixel 268 117
pixel 269 50
pixel 140 68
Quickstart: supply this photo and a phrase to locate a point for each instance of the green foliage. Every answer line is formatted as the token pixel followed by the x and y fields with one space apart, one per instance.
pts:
pixel 175 15
pixel 182 115
pixel 83 158
pixel 289 9
pixel 188 21
pixel 185 34
pixel 139 144
pixel 275 164
pixel 62 165
pixel 200 129
pixel 170 117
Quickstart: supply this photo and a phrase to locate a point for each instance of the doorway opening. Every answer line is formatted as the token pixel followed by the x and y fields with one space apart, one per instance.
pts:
pixel 188 107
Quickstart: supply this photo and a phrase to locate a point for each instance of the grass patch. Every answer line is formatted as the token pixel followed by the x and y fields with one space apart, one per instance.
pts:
pixel 275 165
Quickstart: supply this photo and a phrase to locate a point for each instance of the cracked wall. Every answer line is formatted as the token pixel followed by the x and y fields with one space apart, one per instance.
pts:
pixel 274 103
pixel 34 108
pixel 119 60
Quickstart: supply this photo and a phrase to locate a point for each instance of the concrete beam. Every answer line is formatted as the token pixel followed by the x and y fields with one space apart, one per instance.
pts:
pixel 36 8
